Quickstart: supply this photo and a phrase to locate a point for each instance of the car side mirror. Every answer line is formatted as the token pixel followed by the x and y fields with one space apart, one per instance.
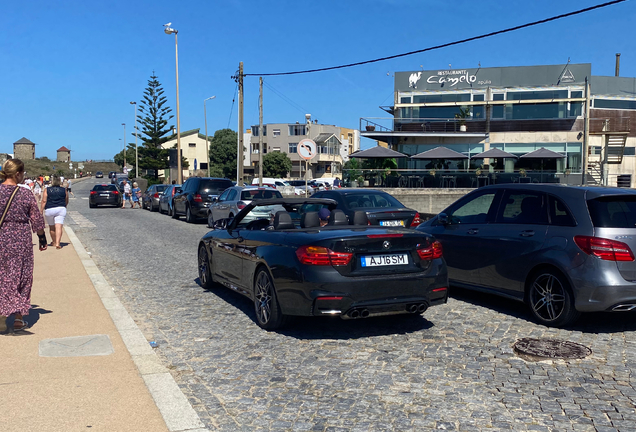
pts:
pixel 220 224
pixel 443 219
pixel 215 199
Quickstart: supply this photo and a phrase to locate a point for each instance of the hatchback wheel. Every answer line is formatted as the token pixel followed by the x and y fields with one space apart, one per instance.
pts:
pixel 210 220
pixel 551 300
pixel 189 216
pixel 205 275
pixel 174 214
pixel 268 314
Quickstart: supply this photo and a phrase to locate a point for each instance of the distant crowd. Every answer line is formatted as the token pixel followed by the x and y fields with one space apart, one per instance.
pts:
pixel 38 184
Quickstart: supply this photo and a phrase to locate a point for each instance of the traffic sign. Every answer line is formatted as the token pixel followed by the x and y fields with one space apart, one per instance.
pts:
pixel 306 149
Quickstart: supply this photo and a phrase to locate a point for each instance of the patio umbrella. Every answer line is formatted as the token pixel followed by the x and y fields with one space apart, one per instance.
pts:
pixel 494 153
pixel 378 152
pixel 542 153
pixel 440 153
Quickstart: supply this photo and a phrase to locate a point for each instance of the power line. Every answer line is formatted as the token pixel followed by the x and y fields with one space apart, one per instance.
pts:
pixel 483 36
pixel 232 108
pixel 285 98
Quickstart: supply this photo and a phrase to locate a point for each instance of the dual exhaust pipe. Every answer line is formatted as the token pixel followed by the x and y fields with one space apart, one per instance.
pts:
pixel 624 307
pixel 416 308
pixel 359 313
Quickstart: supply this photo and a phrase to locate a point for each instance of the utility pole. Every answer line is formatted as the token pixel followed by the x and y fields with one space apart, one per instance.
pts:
pixel 125 147
pixel 586 135
pixel 260 132
pixel 239 155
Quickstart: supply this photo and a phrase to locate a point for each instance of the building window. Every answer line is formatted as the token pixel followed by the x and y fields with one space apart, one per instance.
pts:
pixel 576 108
pixel 297 129
pixel 192 144
pixel 276 132
pixel 276 149
pixel 255 130
pixel 615 103
pixel 293 148
pixel 478 111
pixel 498 110
pixel 630 151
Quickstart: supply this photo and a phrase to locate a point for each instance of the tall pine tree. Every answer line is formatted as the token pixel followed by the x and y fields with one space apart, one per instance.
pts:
pixel 154 130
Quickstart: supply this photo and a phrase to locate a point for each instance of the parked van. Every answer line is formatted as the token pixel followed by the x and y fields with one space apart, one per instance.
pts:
pixel 282 185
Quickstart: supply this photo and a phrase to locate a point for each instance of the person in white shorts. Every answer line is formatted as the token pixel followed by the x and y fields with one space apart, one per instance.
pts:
pixel 54 202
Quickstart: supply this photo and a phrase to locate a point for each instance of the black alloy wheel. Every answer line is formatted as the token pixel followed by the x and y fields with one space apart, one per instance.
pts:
pixel 268 313
pixel 205 275
pixel 174 214
pixel 189 216
pixel 551 300
pixel 210 220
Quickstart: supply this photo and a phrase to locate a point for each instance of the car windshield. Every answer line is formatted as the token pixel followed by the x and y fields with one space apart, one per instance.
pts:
pixel 613 211
pixel 371 200
pixel 161 188
pixel 214 187
pixel 104 188
pixel 250 194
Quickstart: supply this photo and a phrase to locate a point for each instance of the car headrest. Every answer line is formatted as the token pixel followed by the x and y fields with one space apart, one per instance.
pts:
pixel 360 218
pixel 310 220
pixel 338 218
pixel 283 220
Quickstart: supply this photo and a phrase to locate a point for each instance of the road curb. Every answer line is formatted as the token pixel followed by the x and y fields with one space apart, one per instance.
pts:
pixel 174 407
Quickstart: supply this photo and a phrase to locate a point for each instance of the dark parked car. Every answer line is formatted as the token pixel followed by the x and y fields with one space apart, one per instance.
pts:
pixel 165 199
pixel 380 207
pixel 150 198
pixel 99 174
pixel 195 196
pixel 561 249
pixel 336 270
pixel 235 198
pixel 104 194
pixel 111 174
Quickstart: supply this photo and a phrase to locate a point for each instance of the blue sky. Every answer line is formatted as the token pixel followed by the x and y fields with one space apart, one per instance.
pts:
pixel 71 67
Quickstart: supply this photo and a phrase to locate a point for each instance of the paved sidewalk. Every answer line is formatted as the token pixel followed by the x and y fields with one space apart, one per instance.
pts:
pixel 105 378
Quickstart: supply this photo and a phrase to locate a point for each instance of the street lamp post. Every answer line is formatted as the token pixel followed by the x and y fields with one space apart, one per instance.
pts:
pixel 124 125
pixel 136 151
pixel 207 146
pixel 169 30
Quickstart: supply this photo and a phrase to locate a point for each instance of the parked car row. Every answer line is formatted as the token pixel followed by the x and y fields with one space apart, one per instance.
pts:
pixel 562 250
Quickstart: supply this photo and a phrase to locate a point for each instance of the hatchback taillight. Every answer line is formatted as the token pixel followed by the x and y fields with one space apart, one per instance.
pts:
pixel 431 252
pixel 116 192
pixel 156 195
pixel 197 198
pixel 240 205
pixel 416 220
pixel 318 255
pixel 605 249
pixel 93 192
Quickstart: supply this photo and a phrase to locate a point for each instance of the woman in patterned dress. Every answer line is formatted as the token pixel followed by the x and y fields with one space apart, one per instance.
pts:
pixel 16 253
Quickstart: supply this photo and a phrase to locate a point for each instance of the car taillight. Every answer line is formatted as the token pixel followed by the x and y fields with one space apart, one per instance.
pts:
pixel 605 249
pixel 93 192
pixel 240 205
pixel 156 195
pixel 433 251
pixel 116 192
pixel 416 220
pixel 197 198
pixel 318 255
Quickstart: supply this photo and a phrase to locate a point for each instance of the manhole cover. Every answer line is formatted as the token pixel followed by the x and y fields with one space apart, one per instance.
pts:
pixel 550 348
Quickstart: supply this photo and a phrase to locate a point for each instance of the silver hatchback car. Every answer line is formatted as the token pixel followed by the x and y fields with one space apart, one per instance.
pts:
pixel 234 199
pixel 561 249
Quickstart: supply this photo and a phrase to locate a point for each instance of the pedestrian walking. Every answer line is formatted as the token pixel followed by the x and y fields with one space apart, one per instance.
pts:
pixel 127 195
pixel 136 195
pixel 54 202
pixel 18 216
pixel 68 188
pixel 38 187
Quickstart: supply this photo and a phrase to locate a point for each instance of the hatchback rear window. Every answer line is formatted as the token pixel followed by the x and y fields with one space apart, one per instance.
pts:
pixel 105 188
pixel 161 188
pixel 251 194
pixel 214 187
pixel 613 211
pixel 371 200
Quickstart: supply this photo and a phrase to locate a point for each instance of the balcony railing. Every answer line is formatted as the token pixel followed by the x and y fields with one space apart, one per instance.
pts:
pixel 468 125
pixel 610 124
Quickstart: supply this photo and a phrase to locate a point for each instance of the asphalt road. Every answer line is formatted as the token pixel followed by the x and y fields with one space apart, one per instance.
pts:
pixel 453 368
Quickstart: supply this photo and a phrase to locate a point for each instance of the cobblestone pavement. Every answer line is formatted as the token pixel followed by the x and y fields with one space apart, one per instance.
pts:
pixel 452 368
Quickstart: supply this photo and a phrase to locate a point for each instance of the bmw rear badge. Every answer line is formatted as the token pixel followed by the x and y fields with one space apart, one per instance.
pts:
pixel 386 244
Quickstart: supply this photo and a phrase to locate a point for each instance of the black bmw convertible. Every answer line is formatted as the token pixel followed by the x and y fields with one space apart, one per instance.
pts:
pixel 289 264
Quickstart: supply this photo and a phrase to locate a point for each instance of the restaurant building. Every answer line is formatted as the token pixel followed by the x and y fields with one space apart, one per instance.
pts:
pixel 564 108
